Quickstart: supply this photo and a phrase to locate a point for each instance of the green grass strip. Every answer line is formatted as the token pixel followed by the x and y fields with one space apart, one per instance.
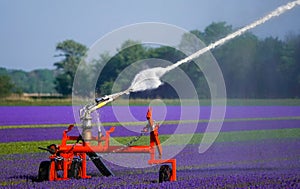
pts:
pixel 34 126
pixel 25 147
pixel 237 136
pixel 164 122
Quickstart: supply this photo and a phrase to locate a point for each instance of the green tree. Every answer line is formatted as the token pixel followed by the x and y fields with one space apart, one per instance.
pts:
pixel 36 81
pixel 290 65
pixel 72 53
pixel 268 80
pixel 190 44
pixel 236 59
pixel 172 55
pixel 214 32
pixel 6 86
pixel 129 52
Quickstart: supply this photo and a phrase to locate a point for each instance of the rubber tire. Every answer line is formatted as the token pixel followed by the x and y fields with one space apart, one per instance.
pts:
pixel 165 173
pixel 74 171
pixel 44 170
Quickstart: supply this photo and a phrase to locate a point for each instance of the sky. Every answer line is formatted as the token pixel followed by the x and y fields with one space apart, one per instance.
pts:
pixel 31 29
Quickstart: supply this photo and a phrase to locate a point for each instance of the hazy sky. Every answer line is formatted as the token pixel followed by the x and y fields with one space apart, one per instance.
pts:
pixel 31 29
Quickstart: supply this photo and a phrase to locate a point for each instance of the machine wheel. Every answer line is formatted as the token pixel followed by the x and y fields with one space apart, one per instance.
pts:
pixel 165 173
pixel 75 170
pixel 44 171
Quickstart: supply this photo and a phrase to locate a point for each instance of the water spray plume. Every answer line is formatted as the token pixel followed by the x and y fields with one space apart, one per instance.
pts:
pixel 150 78
pixel 147 79
pixel 239 32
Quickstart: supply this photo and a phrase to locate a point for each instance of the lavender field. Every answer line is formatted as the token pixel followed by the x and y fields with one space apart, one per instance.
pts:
pixel 258 147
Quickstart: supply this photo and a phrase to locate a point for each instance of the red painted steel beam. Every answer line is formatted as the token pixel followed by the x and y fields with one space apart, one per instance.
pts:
pixel 99 149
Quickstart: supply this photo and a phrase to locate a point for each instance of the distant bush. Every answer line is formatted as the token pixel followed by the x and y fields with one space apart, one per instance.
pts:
pixel 6 86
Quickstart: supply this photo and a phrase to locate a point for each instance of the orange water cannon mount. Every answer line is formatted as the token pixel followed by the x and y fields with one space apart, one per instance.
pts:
pixel 69 160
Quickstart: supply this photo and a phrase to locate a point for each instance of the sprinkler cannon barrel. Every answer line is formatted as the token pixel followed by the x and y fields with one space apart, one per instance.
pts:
pixel 87 110
pixel 100 102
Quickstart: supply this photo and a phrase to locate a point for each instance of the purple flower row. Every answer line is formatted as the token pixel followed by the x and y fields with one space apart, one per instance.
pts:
pixel 64 114
pixel 33 134
pixel 255 164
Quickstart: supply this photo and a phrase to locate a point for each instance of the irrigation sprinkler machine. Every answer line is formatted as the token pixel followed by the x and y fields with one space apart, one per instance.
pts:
pixel 69 159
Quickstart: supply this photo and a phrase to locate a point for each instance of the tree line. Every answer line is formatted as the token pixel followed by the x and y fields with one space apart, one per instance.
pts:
pixel 19 81
pixel 252 67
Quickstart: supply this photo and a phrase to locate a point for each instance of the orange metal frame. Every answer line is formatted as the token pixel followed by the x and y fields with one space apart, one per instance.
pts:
pixel 69 151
